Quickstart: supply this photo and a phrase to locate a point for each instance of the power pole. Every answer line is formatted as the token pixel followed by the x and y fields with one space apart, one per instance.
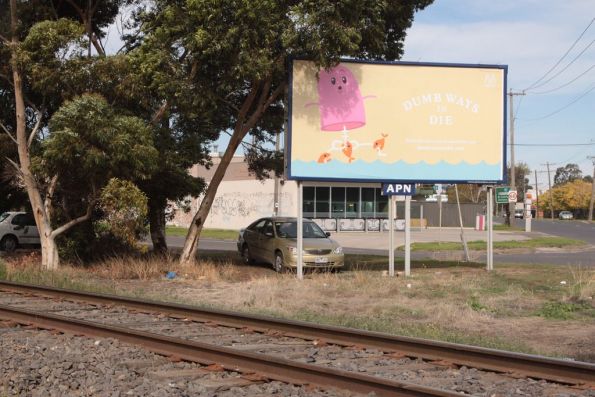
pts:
pixel 512 170
pixel 549 181
pixel 592 158
pixel 536 195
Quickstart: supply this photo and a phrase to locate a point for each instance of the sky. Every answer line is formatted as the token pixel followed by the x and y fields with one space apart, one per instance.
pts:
pixel 535 39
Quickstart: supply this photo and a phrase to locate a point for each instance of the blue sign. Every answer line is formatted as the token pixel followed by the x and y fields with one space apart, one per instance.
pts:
pixel 398 189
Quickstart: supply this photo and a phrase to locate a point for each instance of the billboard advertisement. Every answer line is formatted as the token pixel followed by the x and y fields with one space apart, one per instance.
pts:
pixel 397 122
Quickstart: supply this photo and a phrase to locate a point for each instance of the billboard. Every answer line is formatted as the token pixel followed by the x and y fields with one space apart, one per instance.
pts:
pixel 397 122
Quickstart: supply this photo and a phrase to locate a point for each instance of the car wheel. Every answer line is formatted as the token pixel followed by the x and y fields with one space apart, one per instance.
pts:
pixel 9 243
pixel 278 265
pixel 246 257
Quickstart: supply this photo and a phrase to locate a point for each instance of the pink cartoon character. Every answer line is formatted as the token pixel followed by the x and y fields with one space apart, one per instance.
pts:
pixel 340 102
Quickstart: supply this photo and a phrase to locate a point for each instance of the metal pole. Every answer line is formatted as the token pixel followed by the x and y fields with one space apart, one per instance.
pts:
pixel 300 233
pixel 407 235
pixel 391 236
pixel 536 195
pixel 512 165
pixel 490 215
pixel 592 158
pixel 440 217
pixel 549 181
pixel 461 223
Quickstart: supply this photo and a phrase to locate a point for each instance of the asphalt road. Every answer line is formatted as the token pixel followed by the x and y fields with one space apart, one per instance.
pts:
pixel 575 229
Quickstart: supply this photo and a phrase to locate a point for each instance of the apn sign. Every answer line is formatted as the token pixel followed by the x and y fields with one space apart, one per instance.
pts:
pixel 398 189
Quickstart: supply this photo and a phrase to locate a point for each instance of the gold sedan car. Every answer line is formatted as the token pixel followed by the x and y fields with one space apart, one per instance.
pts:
pixel 274 240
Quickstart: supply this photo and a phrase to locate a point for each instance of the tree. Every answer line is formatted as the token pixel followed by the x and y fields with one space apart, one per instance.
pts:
pixel 573 196
pixel 566 174
pixel 467 193
pixel 237 55
pixel 48 67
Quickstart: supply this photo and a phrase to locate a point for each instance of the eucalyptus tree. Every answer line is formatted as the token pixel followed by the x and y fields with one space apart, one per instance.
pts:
pixel 46 66
pixel 236 56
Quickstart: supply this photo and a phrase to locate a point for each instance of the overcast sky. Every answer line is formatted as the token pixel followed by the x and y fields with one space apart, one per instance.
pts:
pixel 531 37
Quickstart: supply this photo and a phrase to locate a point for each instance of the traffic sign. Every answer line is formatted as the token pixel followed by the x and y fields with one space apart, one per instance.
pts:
pixel 502 194
pixel 398 189
pixel 512 196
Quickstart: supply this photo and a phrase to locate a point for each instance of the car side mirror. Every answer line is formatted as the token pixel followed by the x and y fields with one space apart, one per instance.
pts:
pixel 328 234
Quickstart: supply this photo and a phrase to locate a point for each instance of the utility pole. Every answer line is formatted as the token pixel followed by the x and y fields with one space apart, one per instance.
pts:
pixel 510 213
pixel 536 195
pixel 549 181
pixel 592 158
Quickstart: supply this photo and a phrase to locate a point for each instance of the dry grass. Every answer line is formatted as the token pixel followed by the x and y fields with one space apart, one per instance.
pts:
pixel 154 267
pixel 513 307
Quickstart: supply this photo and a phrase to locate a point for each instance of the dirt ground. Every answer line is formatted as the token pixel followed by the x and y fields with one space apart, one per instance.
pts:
pixel 542 310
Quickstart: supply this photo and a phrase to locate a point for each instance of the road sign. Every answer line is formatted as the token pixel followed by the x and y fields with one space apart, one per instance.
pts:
pixel 398 189
pixel 512 196
pixel 502 195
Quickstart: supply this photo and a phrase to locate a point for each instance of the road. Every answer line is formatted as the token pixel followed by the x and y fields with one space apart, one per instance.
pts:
pixel 575 229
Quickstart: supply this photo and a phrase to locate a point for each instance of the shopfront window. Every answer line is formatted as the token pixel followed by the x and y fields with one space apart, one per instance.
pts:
pixel 322 202
pixel 308 204
pixel 352 202
pixel 368 207
pixel 338 202
pixel 381 205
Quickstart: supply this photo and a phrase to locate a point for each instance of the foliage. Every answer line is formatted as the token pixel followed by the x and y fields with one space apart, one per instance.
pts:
pixel 563 310
pixel 571 196
pixel 124 208
pixel 568 173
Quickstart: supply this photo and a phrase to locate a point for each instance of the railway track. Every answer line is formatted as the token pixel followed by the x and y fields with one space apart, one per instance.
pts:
pixel 378 355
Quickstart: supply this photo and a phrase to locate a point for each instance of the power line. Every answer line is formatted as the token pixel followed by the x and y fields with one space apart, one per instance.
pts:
pixel 563 107
pixel 567 84
pixel 564 68
pixel 562 58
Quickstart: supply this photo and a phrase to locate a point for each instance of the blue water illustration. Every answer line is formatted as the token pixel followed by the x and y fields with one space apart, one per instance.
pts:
pixel 397 171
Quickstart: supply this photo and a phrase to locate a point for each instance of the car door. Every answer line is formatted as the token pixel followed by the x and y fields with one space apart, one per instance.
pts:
pixel 17 227
pixel 30 230
pixel 267 242
pixel 252 238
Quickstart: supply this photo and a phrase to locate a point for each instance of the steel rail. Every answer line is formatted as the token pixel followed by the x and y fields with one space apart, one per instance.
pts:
pixel 234 360
pixel 564 371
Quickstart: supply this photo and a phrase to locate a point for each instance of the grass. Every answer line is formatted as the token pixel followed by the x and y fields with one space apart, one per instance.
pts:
pixel 518 308
pixel 218 234
pixel 538 242
pixel 504 227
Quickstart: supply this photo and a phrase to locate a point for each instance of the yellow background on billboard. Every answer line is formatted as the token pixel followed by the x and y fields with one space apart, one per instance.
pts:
pixel 427 114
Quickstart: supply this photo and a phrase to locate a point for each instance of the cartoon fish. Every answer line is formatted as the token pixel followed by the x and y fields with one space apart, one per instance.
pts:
pixel 324 158
pixel 379 143
pixel 341 104
pixel 348 150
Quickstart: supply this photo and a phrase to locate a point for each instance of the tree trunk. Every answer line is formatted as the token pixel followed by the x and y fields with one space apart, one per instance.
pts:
pixel 49 254
pixel 191 244
pixel 157 226
pixel 49 251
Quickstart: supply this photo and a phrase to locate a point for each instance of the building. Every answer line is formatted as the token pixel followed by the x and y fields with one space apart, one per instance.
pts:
pixel 335 206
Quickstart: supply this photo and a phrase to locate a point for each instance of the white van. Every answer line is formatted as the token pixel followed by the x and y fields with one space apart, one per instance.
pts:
pixel 17 228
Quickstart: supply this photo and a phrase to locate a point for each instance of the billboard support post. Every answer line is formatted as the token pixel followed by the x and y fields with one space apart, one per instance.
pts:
pixel 300 232
pixel 490 216
pixel 407 235
pixel 391 237
pixel 463 240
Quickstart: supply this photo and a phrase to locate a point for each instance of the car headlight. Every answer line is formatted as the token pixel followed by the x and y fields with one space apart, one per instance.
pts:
pixel 338 250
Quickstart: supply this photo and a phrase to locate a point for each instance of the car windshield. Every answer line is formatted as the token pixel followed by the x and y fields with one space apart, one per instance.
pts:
pixel 4 216
pixel 289 230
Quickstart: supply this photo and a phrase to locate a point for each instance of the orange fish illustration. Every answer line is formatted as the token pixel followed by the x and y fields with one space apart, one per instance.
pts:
pixel 348 150
pixel 379 143
pixel 324 158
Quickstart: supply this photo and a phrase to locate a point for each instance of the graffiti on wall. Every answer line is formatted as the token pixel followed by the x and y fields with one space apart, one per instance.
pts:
pixel 241 204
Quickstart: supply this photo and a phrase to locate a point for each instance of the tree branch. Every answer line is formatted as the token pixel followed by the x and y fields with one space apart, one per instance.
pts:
pixel 39 115
pixel 8 133
pixel 4 39
pixel 75 221
pixel 49 197
pixel 159 113
pixel 264 104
